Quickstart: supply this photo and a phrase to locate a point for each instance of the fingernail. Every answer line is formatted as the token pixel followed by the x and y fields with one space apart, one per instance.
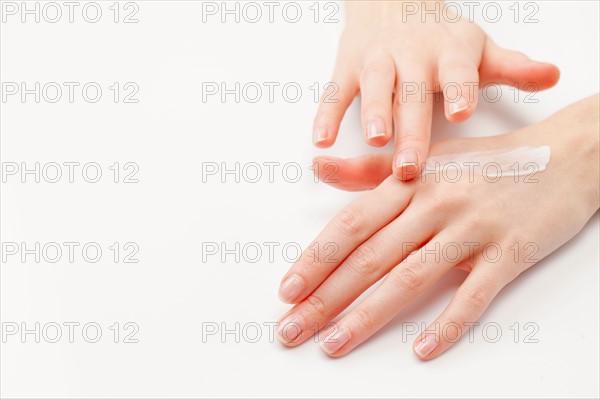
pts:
pixel 320 135
pixel 336 340
pixel 289 329
pixel 375 128
pixel 427 345
pixel 291 288
pixel 406 163
pixel 406 157
pixel 458 106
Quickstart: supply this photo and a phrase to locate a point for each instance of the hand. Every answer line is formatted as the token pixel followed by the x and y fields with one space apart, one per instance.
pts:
pixel 386 53
pixel 370 234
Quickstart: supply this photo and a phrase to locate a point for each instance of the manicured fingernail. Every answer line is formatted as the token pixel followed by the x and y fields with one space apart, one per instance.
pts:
pixel 375 128
pixel 289 329
pixel 336 340
pixel 406 157
pixel 320 135
pixel 291 288
pixel 406 163
pixel 426 345
pixel 458 106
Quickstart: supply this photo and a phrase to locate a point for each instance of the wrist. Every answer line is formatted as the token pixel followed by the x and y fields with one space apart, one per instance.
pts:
pixel 574 136
pixel 361 11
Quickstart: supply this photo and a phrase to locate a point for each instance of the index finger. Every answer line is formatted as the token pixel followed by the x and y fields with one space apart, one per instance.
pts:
pixel 413 111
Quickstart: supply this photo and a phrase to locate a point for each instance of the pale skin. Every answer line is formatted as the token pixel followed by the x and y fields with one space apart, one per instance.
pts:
pixel 368 234
pixel 388 52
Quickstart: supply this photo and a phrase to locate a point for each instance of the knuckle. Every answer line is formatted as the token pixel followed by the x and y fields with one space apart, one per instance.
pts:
pixel 453 66
pixel 413 137
pixel 363 260
pixel 309 257
pixel 410 132
pixel 470 224
pixel 408 99
pixel 374 70
pixel 476 298
pixel 365 319
pixel 316 306
pixel 461 197
pixel 438 206
pixel 375 106
pixel 512 238
pixel 350 222
pixel 409 278
pixel 326 114
pixel 456 202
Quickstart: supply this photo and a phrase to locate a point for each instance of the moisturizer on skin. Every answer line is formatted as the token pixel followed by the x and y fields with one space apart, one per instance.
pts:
pixel 512 162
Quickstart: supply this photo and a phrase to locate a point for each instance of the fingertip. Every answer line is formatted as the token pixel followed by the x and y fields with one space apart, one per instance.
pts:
pixel 425 346
pixel 406 173
pixel 336 343
pixel 284 300
pixel 406 165
pixel 377 133
pixel 546 74
pixel 460 110
pixel 517 69
pixel 325 166
pixel 535 75
pixel 292 288
pixel 353 174
pixel 323 136
pixel 379 141
pixel 332 355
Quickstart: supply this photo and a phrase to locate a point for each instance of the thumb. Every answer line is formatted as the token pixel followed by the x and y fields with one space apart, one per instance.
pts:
pixel 509 67
pixel 353 174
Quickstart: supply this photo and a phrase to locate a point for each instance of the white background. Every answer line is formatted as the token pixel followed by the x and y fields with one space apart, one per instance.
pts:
pixel 170 212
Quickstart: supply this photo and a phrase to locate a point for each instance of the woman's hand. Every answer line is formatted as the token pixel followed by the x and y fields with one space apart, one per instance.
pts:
pixel 394 54
pixel 416 232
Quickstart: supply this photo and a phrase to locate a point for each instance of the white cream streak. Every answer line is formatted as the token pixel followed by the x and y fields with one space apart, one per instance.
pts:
pixel 509 162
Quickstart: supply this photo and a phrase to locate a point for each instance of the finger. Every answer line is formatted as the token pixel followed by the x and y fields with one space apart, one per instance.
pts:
pixel 361 269
pixel 468 304
pixel 508 67
pixel 403 284
pixel 336 98
pixel 459 80
pixel 353 174
pixel 413 110
pixel 376 87
pixel 350 228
